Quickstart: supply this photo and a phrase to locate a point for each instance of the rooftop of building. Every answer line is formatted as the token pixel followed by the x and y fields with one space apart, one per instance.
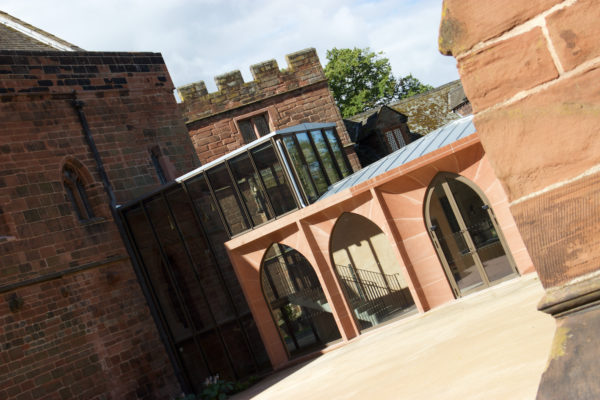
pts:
pixel 19 35
pixel 425 111
pixel 434 140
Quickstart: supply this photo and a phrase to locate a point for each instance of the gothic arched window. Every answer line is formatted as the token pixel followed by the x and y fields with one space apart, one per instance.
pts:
pixel 76 193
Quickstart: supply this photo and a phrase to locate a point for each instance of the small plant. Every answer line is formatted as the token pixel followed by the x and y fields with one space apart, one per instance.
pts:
pixel 216 389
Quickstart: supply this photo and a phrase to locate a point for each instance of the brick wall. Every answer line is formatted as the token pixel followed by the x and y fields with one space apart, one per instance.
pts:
pixel 531 70
pixel 74 322
pixel 293 96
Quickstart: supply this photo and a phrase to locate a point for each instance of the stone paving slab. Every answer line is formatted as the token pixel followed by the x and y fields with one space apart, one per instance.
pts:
pixel 491 345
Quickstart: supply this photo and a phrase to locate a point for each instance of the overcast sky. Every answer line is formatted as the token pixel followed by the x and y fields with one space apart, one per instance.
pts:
pixel 200 39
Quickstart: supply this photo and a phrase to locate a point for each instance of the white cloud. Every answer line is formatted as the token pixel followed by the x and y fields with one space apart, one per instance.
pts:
pixel 200 39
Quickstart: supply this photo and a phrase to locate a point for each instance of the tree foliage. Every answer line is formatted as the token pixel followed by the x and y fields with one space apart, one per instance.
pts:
pixel 361 79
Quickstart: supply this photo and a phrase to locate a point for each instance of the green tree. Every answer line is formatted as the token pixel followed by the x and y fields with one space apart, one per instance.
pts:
pixel 361 79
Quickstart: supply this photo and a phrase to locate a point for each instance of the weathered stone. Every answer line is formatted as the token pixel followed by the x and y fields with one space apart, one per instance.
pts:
pixel 574 32
pixel 498 72
pixel 545 138
pixel 468 22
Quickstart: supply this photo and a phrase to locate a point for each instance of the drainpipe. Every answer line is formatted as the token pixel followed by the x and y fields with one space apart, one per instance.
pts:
pixel 78 106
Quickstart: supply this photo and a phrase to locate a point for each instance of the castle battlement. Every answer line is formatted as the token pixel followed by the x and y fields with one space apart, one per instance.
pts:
pixel 304 69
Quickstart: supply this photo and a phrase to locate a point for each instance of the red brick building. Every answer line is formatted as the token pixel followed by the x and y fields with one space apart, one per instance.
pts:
pixel 240 112
pixel 81 132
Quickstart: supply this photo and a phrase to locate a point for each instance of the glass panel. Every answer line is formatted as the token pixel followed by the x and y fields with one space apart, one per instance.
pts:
pixel 165 293
pixel 482 231
pixel 217 236
pixel 260 122
pixel 248 184
pixel 227 198
pixel 273 177
pixel 247 130
pixel 313 163
pixel 455 249
pixel 297 301
pixel 325 155
pixel 215 353
pixel 338 152
pixel 200 252
pixel 181 269
pixel 301 169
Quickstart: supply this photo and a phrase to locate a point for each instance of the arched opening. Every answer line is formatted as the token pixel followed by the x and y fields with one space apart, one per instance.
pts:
pixel 75 184
pixel 297 301
pixel 368 271
pixel 466 235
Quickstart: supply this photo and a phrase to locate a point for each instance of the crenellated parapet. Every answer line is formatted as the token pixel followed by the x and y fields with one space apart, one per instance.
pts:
pixel 304 69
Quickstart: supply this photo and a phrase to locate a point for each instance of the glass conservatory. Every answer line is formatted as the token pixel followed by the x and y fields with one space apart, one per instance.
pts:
pixel 178 233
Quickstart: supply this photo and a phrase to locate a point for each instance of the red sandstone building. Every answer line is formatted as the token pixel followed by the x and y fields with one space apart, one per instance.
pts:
pixel 130 270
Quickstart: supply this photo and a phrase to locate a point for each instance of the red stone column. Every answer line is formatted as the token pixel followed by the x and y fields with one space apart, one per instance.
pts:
pixel 531 71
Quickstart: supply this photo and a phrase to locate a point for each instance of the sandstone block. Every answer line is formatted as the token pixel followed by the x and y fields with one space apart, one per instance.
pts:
pixel 468 22
pixel 574 31
pixel 500 71
pixel 545 138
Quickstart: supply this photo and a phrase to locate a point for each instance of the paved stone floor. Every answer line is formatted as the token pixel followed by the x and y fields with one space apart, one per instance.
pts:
pixel 490 345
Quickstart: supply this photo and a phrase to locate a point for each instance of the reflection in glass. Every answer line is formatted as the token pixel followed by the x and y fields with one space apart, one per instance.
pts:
pixel 338 152
pixel 482 231
pixel 313 163
pixel 227 198
pixel 455 248
pixel 301 169
pixel 297 301
pixel 328 162
pixel 249 186
pixel 273 177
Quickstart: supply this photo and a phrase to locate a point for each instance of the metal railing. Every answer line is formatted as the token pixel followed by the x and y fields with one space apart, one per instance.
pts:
pixel 373 295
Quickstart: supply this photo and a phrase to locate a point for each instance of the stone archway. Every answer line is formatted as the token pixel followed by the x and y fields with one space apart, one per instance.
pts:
pixel 297 302
pixel 368 271
pixel 466 235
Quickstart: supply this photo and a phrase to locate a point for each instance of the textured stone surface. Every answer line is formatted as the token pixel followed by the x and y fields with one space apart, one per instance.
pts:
pixel 79 334
pixel 573 368
pixel 498 72
pixel 569 219
pixel 574 31
pixel 468 22
pixel 545 138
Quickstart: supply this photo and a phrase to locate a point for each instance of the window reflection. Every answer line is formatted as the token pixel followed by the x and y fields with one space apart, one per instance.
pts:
pixel 273 177
pixel 227 198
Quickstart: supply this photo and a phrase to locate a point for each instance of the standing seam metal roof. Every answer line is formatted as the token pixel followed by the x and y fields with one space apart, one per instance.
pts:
pixel 432 141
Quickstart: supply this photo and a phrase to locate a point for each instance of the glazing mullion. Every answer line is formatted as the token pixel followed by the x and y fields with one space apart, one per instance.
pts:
pixel 332 155
pixel 288 168
pixel 262 185
pixel 240 198
pixel 219 273
pixel 319 159
pixel 465 232
pixel 305 163
pixel 217 204
pixel 176 287
pixel 202 292
pixel 180 368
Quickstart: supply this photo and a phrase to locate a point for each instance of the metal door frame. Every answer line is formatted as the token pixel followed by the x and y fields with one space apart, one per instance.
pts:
pixel 443 178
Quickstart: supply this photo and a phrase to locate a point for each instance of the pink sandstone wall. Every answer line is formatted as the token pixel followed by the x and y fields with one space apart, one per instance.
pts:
pixel 393 201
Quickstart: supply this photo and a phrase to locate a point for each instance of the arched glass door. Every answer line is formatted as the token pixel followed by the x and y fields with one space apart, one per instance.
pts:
pixel 466 235
pixel 297 301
